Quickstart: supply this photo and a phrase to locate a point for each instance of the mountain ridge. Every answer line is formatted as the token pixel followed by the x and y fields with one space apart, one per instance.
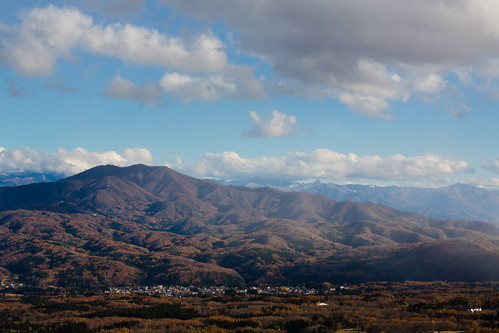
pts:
pixel 457 201
pixel 155 225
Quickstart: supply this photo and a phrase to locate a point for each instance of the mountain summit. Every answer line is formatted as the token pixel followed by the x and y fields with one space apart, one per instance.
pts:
pixel 152 224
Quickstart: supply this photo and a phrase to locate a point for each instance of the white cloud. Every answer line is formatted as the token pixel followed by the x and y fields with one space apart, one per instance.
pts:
pixel 149 47
pixel 367 105
pixel 371 53
pixel 50 33
pixel 45 35
pixel 429 84
pixel 324 164
pixel 234 83
pixel 122 88
pixel 67 162
pixel 275 125
pixel 137 155
pixel 368 55
pixel 186 87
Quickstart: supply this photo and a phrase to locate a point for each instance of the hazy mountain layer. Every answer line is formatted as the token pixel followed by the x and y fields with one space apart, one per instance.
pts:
pixel 25 178
pixel 459 201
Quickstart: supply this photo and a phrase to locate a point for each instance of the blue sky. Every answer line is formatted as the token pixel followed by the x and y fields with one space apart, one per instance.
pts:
pixel 385 92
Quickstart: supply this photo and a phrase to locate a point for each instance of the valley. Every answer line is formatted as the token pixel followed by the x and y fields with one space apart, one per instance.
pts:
pixel 367 307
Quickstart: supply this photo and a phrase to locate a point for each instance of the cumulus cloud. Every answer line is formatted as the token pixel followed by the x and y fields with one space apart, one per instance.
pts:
pixel 122 88
pixel 275 125
pixel 367 105
pixel 232 83
pixel 44 35
pixel 67 162
pixel 324 164
pixel 149 47
pixel 371 53
pixel 50 33
pixel 367 55
pixel 429 84
pixel 208 88
pixel 196 66
pixel 137 155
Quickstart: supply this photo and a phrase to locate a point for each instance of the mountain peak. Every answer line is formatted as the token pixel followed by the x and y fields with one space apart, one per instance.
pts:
pixel 112 170
pixel 172 227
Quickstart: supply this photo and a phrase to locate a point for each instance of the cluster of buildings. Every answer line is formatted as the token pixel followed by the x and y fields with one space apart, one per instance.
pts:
pixel 171 291
pixel 179 291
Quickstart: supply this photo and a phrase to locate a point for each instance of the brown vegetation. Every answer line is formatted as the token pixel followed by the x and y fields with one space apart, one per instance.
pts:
pixel 115 226
pixel 372 307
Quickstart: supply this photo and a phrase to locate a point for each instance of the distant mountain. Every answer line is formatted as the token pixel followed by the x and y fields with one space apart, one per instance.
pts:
pixel 140 224
pixel 459 201
pixel 25 178
pixel 254 183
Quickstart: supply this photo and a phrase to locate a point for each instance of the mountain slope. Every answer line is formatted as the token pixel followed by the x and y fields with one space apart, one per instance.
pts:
pixel 112 225
pixel 457 201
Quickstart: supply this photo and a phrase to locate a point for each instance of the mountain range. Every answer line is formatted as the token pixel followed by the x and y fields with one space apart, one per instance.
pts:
pixel 116 226
pixel 25 178
pixel 458 201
